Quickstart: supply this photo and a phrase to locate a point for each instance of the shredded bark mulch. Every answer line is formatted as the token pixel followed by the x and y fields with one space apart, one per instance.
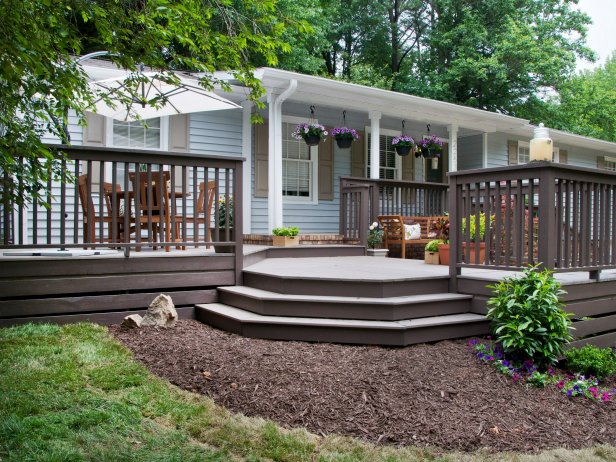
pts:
pixel 426 395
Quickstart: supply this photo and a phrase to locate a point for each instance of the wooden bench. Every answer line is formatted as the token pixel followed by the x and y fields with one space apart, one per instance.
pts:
pixel 393 226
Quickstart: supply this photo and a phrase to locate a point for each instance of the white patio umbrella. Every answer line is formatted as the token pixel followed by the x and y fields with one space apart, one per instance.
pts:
pixel 148 94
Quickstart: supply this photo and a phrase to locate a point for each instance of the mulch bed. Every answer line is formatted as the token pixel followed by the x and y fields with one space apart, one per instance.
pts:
pixel 425 395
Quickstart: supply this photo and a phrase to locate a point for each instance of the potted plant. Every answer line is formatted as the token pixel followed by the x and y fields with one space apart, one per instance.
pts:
pixel 473 229
pixel 430 148
pixel 431 252
pixel 225 221
pixel 286 237
pixel 344 136
pixel 403 144
pixel 311 133
pixel 440 229
pixel 375 241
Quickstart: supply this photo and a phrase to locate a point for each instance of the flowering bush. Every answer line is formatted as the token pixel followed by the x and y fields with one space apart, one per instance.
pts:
pixel 526 371
pixel 304 130
pixel 344 132
pixel 403 141
pixel 431 144
pixel 375 236
pixel 472 228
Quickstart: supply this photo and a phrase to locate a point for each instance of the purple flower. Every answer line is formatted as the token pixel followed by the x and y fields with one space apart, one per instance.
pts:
pixel 506 363
pixel 605 396
pixel 569 392
pixel 402 141
pixel 344 132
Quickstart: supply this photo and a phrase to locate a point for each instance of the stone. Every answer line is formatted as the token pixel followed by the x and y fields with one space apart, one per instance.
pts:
pixel 133 321
pixel 161 313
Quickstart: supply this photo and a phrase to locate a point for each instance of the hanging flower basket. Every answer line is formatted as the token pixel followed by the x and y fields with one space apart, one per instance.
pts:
pixel 344 136
pixel 431 147
pixel 403 145
pixel 311 133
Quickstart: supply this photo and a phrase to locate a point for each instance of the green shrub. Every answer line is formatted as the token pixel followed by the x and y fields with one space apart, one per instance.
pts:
pixel 432 246
pixel 528 318
pixel 591 360
pixel 290 231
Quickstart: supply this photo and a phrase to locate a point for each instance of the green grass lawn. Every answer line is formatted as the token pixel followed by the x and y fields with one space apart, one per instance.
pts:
pixel 73 393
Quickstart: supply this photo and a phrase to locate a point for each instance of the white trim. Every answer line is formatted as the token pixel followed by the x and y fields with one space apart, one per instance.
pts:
pixel 375 128
pixel 556 154
pixel 313 199
pixel 523 144
pixel 485 150
pixel 247 169
pixel 164 134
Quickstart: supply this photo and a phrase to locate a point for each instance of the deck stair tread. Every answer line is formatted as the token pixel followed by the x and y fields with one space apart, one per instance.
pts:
pixel 261 294
pixel 254 318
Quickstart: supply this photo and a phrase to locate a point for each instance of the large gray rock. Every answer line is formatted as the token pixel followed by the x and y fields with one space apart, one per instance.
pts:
pixel 133 321
pixel 161 313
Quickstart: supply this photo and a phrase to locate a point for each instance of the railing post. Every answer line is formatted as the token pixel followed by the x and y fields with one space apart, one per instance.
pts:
pixel 364 218
pixel 547 219
pixel 454 234
pixel 238 222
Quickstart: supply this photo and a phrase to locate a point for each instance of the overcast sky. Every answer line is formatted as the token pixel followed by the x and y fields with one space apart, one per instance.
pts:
pixel 602 33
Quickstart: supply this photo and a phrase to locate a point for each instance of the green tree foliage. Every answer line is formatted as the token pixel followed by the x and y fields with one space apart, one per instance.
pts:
pixel 585 104
pixel 40 82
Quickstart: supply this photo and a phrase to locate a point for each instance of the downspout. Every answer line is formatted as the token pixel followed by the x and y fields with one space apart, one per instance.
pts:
pixel 275 157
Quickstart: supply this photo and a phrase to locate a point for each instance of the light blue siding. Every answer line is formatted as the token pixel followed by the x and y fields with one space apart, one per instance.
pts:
pixel 216 133
pixel 470 152
pixel 74 129
pixel 581 157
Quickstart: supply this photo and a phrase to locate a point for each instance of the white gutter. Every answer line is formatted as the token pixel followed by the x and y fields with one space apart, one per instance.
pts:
pixel 274 203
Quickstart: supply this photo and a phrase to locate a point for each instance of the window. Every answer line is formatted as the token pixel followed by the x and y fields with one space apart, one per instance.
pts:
pixel 388 160
pixel 298 166
pixel 610 164
pixel 523 152
pixel 144 134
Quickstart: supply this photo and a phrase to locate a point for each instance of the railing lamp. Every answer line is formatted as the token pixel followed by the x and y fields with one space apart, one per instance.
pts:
pixel 541 144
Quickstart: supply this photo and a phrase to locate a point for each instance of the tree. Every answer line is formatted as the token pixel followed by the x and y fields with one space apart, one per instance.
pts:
pixel 585 104
pixel 40 82
pixel 496 54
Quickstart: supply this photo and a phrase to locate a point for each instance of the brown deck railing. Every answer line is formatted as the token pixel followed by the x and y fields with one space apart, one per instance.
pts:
pixel 362 200
pixel 540 213
pixel 129 199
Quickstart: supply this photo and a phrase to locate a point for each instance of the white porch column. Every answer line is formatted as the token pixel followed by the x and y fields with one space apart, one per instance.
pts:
pixel 247 154
pixel 375 135
pixel 274 184
pixel 274 204
pixel 453 147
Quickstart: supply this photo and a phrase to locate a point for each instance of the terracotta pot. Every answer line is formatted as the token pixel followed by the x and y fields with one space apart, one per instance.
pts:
pixel 403 150
pixel 443 254
pixel 312 140
pixel 482 252
pixel 344 143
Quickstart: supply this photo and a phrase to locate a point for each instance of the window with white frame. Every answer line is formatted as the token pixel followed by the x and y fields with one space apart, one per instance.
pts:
pixel 610 164
pixel 388 160
pixel 523 152
pixel 144 134
pixel 299 163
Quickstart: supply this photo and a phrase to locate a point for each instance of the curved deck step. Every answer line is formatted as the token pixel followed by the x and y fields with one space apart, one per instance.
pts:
pixel 270 303
pixel 392 333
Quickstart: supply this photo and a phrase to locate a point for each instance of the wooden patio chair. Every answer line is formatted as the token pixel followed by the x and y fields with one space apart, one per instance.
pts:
pixel 393 227
pixel 151 197
pixel 92 217
pixel 205 202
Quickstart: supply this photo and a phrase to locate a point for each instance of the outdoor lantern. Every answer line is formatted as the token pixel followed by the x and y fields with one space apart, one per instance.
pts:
pixel 541 144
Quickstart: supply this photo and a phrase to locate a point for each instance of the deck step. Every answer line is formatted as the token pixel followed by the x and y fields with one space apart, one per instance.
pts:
pixel 392 333
pixel 344 286
pixel 270 303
